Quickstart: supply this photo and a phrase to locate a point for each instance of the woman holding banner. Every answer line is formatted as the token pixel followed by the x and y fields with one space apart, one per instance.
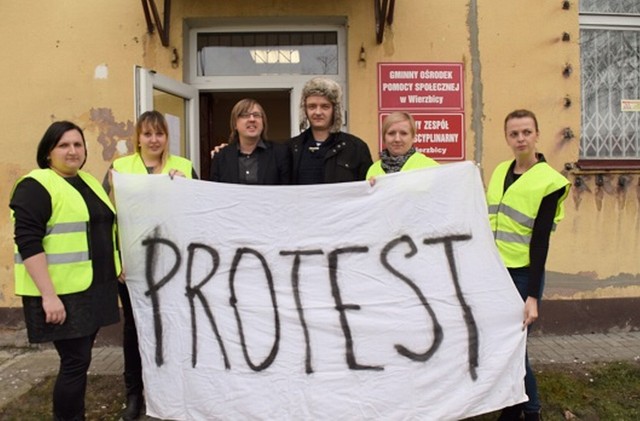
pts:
pixel 66 261
pixel 398 135
pixel 525 197
pixel 151 156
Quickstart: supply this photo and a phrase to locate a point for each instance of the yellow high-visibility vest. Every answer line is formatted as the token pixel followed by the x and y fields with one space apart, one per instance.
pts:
pixel 512 213
pixel 415 161
pixel 133 164
pixel 66 241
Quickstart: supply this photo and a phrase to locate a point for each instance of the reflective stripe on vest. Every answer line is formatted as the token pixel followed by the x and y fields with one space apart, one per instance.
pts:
pixel 63 228
pixel 512 237
pixel 66 239
pixel 512 214
pixel 516 215
pixel 60 258
pixel 67 227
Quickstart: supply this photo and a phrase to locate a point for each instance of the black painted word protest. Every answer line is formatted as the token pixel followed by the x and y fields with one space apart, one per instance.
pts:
pixel 155 245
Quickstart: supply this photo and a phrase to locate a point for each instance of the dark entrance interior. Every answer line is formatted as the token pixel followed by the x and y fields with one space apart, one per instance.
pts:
pixel 215 109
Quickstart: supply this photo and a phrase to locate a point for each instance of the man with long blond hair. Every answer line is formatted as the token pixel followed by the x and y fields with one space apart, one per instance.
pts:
pixel 250 157
pixel 323 153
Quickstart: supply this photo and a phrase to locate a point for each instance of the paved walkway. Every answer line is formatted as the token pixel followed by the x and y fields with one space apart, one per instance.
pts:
pixel 584 348
pixel 22 366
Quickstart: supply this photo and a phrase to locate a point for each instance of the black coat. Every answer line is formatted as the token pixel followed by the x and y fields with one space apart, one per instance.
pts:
pixel 348 160
pixel 273 164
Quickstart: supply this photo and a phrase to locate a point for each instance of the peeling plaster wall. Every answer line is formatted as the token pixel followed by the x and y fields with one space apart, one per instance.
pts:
pixel 74 60
pixel 63 60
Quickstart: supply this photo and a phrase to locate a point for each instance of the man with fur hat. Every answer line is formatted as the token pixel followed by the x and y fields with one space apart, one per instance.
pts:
pixel 323 153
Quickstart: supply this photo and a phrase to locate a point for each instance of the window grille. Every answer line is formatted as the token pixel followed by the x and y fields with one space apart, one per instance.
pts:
pixel 610 75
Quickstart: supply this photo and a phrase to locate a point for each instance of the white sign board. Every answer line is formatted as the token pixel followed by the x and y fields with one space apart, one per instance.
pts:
pixel 324 302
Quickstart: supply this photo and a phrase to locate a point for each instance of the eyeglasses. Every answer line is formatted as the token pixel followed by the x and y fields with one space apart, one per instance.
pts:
pixel 247 115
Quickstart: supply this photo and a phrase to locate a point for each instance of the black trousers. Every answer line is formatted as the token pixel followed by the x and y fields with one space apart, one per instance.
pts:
pixel 71 383
pixel 132 360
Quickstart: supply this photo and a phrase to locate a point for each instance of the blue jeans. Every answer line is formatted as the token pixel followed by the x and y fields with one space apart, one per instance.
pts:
pixel 520 278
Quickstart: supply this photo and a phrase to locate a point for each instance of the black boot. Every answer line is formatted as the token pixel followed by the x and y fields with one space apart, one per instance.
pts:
pixel 511 413
pixel 133 408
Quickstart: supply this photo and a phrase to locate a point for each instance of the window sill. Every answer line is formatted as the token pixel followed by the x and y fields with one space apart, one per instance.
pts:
pixel 605 165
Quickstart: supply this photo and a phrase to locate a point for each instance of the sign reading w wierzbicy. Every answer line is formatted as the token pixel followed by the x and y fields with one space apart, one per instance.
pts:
pixel 431 92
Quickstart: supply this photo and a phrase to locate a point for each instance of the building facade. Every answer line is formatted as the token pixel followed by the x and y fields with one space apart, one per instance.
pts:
pixel 460 66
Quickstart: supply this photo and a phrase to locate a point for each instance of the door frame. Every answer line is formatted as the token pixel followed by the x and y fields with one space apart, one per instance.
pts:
pixel 146 81
pixel 291 82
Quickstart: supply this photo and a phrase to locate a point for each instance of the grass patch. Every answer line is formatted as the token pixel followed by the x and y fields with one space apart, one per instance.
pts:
pixel 104 401
pixel 586 392
pixel 605 391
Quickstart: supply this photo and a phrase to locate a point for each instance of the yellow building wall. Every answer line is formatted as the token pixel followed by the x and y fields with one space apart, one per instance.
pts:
pixel 74 60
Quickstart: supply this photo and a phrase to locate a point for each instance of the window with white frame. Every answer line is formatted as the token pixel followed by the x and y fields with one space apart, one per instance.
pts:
pixel 260 53
pixel 610 73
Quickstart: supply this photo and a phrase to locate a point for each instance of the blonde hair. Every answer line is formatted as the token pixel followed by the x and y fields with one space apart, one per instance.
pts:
pixel 396 117
pixel 330 89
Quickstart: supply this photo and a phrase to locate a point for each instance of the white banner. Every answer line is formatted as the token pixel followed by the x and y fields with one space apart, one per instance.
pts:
pixel 336 301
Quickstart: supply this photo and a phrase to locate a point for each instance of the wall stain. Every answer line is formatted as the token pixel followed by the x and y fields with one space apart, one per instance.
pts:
pixel 638 213
pixel 387 43
pixel 620 187
pixel 588 285
pixel 603 185
pixel 624 181
pixel 477 88
pixel 110 132
pixel 580 185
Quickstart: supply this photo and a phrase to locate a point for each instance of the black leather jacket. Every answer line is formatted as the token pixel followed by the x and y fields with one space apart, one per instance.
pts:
pixel 348 160
pixel 273 164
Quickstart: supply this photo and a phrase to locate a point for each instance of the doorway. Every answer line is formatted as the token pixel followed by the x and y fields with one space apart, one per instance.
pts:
pixel 215 109
pixel 269 60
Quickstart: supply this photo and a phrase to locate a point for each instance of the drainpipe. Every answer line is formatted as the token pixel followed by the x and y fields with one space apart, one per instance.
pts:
pixel 477 110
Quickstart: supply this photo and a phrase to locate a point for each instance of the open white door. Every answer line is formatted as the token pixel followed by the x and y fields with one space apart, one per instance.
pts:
pixel 178 102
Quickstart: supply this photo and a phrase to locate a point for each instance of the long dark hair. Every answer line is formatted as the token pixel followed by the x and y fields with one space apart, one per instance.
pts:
pixel 51 138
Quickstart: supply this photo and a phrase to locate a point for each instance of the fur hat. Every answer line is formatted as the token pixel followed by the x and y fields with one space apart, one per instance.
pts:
pixel 330 89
